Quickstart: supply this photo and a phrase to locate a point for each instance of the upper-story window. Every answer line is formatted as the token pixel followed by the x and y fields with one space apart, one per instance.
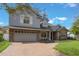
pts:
pixel 26 20
pixel 44 24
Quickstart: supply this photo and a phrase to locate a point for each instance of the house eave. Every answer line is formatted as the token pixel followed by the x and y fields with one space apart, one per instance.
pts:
pixel 39 29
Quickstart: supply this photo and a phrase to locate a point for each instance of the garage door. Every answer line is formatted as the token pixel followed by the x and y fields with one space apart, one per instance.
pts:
pixel 25 37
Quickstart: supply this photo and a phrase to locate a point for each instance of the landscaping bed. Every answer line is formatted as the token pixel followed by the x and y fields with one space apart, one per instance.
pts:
pixel 3 45
pixel 68 47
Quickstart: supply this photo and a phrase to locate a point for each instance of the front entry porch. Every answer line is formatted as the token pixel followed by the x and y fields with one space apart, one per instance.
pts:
pixel 46 36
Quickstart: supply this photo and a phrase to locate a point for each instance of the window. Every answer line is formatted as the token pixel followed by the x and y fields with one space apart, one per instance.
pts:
pixel 26 20
pixel 45 24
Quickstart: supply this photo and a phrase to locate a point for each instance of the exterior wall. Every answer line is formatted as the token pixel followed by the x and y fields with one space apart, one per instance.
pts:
pixel 11 35
pixel 63 34
pixel 36 22
pixel 77 37
pixel 12 31
pixel 55 36
pixel 16 21
pixel 58 34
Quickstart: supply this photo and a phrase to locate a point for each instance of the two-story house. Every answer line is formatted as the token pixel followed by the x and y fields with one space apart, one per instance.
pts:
pixel 29 25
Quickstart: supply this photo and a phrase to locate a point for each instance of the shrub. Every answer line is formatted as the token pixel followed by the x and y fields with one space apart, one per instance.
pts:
pixel 1 38
pixel 71 38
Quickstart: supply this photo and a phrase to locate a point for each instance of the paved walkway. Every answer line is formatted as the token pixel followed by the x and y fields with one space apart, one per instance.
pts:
pixel 31 49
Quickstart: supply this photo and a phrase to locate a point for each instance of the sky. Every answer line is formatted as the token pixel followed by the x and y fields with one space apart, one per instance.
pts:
pixel 57 13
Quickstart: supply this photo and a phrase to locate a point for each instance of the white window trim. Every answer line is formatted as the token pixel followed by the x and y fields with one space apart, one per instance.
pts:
pixel 22 19
pixel 45 24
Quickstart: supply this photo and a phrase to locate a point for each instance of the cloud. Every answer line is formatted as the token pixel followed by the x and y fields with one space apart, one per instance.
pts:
pixel 51 20
pixel 71 5
pixel 57 18
pixel 61 18
pixel 68 27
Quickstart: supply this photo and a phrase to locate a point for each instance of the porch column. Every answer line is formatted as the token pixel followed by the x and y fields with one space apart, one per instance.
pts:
pixel 58 34
pixel 49 36
pixel 52 35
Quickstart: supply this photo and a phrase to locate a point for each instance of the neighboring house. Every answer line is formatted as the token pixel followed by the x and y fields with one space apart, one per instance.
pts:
pixel 5 31
pixel 6 36
pixel 1 30
pixel 29 25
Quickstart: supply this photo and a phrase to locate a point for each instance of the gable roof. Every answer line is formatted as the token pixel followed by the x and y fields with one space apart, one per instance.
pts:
pixel 35 11
pixel 57 28
pixel 63 28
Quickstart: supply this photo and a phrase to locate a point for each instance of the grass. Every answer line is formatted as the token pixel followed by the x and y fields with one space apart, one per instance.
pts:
pixel 69 47
pixel 4 45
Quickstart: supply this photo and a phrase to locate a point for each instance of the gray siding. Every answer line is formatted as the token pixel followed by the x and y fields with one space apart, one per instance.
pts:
pixel 15 20
pixel 36 23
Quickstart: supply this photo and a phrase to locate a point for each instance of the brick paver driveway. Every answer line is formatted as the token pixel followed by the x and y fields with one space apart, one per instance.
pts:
pixel 31 49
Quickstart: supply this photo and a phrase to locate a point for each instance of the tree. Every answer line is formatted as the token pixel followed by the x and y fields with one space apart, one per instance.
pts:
pixel 18 6
pixel 8 8
pixel 75 27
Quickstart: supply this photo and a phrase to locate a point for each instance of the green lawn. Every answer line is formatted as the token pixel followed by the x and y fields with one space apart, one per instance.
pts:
pixel 69 47
pixel 4 45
